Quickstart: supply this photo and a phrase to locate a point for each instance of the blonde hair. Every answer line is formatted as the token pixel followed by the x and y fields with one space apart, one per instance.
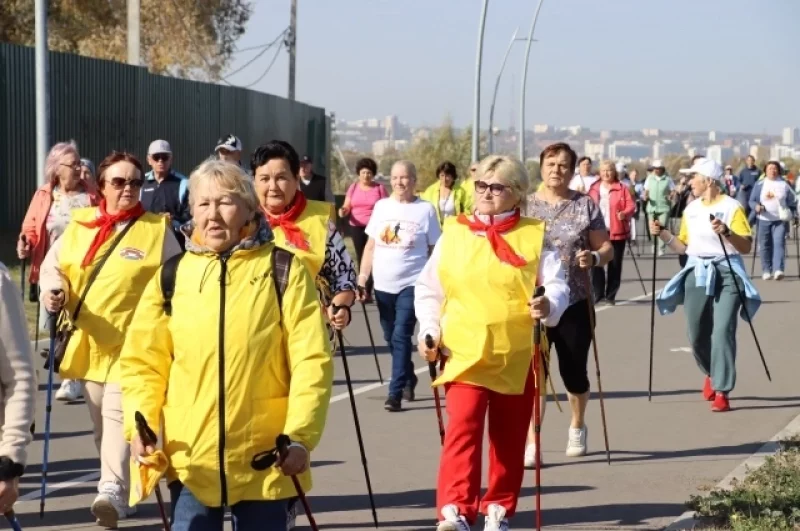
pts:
pixel 229 177
pixel 510 171
pixel 611 164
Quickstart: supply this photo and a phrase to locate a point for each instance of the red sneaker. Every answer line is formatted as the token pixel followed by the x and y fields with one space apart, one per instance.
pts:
pixel 721 403
pixel 708 391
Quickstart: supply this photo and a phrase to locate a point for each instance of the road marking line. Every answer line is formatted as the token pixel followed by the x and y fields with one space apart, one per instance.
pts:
pixel 35 495
pixel 80 480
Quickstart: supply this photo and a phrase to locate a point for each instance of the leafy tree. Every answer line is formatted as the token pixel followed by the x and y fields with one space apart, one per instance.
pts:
pixel 390 156
pixel 445 144
pixel 181 37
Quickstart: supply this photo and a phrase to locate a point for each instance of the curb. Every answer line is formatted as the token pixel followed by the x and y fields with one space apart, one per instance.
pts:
pixel 688 521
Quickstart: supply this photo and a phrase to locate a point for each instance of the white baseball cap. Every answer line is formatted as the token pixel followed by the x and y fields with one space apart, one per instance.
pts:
pixel 159 146
pixel 705 167
pixel 657 164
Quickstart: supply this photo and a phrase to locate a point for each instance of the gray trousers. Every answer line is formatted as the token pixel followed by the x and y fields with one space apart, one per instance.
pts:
pixel 711 323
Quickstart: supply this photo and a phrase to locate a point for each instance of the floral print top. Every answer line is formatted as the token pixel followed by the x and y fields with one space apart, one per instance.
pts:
pixel 567 226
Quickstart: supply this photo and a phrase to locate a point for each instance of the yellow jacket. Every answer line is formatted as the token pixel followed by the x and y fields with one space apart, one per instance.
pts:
pixel 486 321
pixel 468 185
pixel 229 372
pixel 313 222
pixel 93 350
pixel 431 195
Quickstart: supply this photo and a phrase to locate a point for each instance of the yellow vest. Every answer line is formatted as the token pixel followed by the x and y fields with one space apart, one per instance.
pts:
pixel 486 321
pixel 176 362
pixel 313 221
pixel 93 351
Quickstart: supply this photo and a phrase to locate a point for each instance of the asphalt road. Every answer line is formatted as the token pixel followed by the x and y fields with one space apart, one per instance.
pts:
pixel 663 451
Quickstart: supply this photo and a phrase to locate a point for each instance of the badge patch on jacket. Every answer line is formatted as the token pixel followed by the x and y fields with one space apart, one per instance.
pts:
pixel 131 253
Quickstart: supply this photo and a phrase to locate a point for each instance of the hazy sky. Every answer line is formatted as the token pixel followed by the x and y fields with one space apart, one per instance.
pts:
pixel 727 65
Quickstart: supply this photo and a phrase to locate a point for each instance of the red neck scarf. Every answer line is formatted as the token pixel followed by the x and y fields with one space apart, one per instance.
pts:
pixel 494 232
pixel 107 222
pixel 286 221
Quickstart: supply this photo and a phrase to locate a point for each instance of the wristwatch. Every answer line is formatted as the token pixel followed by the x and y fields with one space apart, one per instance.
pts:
pixel 9 469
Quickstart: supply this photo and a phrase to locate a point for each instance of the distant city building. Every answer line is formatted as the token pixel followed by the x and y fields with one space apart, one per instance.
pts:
pixel 651 132
pixel 541 129
pixel 719 154
pixel 790 136
pixel 607 135
pixel 632 150
pixel 754 151
pixel 391 127
pixel 573 130
pixel 667 147
pixel 595 151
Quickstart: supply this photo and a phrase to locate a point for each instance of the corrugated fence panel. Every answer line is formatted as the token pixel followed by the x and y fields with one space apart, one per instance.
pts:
pixel 105 106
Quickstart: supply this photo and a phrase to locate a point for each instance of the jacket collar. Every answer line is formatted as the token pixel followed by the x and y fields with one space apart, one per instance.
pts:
pixel 259 235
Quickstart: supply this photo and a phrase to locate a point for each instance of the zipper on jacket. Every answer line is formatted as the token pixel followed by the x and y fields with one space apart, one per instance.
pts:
pixel 223 481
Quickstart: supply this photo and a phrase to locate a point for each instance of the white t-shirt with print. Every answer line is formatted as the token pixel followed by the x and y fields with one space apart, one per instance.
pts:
pixel 402 233
pixel 773 196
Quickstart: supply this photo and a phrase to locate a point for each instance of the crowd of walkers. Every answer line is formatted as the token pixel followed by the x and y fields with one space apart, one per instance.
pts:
pixel 237 395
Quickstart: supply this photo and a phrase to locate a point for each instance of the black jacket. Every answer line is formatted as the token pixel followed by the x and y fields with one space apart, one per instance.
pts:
pixel 314 190
pixel 165 197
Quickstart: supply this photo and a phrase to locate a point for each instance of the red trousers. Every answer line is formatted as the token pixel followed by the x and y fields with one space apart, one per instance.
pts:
pixel 460 466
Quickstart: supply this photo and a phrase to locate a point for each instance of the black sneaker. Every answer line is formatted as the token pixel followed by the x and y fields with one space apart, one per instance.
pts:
pixel 392 404
pixel 408 392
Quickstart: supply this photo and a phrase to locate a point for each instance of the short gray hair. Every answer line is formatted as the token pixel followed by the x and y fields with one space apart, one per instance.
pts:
pixel 409 166
pixel 229 177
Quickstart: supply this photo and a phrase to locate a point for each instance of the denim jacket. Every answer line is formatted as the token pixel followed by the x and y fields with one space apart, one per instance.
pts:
pixel 705 273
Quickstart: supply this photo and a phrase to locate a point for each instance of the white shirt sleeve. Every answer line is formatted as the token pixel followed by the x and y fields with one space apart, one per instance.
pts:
pixel 434 230
pixel 429 297
pixel 554 280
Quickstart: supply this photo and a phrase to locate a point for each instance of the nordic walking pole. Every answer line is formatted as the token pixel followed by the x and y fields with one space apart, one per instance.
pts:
pixel 436 399
pixel 371 340
pixel 149 438
pixel 755 249
pixel 537 353
pixel 742 301
pixel 282 445
pixel 342 352
pixel 49 407
pixel 636 265
pixel 597 365
pixel 653 311
pixel 22 271
pixel 797 246
pixel 11 518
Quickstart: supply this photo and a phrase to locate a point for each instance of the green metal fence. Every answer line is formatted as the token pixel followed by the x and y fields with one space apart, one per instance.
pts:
pixel 104 105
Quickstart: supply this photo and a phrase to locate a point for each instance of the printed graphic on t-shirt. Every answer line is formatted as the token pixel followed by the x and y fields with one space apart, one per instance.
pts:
pixel 399 233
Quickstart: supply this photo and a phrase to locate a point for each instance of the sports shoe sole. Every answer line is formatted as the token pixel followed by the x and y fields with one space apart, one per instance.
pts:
pixel 106 514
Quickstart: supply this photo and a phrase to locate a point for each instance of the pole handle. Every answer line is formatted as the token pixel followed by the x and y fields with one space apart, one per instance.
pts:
pixel 537 331
pixel 146 434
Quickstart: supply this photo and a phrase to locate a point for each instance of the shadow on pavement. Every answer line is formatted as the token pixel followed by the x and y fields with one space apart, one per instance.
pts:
pixel 82 518
pixel 633 457
pixel 73 465
pixel 39 436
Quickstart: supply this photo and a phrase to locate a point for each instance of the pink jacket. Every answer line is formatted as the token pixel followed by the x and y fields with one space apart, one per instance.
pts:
pixel 619 200
pixel 33 226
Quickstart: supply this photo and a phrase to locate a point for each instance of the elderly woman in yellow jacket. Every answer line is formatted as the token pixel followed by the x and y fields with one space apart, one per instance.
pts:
pixel 475 299
pixel 446 195
pixel 255 363
pixel 303 226
pixel 125 245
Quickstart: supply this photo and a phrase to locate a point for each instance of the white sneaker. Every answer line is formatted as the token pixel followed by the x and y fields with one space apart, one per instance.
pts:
pixel 779 275
pixel 576 444
pixel 495 518
pixel 452 520
pixel 530 457
pixel 69 391
pixel 111 506
pixel 766 276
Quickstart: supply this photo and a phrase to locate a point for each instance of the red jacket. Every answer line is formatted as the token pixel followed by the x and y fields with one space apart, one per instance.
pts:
pixel 33 227
pixel 619 200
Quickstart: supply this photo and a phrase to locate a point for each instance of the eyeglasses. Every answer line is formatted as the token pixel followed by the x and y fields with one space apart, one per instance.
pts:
pixel 74 167
pixel 496 188
pixel 161 157
pixel 120 182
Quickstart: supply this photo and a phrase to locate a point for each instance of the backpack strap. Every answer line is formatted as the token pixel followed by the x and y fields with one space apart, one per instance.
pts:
pixel 281 267
pixel 168 273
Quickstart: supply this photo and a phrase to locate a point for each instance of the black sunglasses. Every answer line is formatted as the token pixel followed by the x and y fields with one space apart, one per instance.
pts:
pixel 161 157
pixel 120 182
pixel 496 188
